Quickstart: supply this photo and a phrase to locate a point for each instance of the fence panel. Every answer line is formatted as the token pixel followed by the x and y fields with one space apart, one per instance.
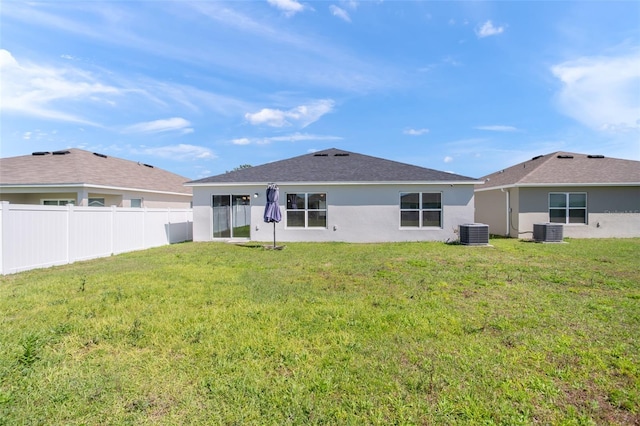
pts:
pixel 180 227
pixel 33 236
pixel 91 232
pixel 128 230
pixel 156 228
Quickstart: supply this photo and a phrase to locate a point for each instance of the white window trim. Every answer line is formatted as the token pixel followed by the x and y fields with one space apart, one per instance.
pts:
pixel 420 210
pixel 58 200
pixel 306 212
pixel 568 208
pixel 104 201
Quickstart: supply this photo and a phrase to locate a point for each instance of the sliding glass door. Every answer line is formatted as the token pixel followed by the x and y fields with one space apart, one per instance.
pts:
pixel 231 216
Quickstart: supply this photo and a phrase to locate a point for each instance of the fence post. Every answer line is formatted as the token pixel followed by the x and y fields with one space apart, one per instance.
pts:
pixel 69 231
pixel 113 228
pixel 4 212
pixel 169 225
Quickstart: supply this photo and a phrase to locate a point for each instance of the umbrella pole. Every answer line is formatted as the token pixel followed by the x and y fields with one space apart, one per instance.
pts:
pixel 274 235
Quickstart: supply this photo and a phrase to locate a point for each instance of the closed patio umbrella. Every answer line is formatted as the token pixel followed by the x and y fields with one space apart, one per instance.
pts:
pixel 272 209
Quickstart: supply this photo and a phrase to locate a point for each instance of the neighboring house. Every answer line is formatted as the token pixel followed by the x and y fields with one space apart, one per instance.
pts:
pixel 334 195
pixel 593 196
pixel 83 178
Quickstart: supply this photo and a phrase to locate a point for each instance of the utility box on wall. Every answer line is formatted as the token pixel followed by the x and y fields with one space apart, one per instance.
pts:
pixel 547 232
pixel 474 234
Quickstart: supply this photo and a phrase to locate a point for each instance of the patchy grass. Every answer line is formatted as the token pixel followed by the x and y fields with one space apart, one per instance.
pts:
pixel 411 333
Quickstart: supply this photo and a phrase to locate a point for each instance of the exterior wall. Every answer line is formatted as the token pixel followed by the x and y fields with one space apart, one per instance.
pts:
pixel 355 213
pixel 612 212
pixel 112 197
pixel 36 198
pixel 491 209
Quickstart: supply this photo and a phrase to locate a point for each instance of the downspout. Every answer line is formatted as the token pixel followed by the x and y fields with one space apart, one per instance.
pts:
pixel 508 212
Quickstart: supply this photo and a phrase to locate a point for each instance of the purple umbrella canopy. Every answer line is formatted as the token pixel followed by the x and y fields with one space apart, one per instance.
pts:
pixel 272 209
pixel 272 212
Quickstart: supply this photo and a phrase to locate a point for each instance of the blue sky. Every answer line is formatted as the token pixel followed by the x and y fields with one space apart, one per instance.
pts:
pixel 199 88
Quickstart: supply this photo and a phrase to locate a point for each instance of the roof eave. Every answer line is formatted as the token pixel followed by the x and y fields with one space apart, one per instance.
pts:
pixel 92 186
pixel 339 183
pixel 542 185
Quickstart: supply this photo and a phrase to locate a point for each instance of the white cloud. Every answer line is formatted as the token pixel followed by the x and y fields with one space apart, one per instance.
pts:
pixel 601 91
pixel 497 128
pixel 157 126
pixel 300 116
pixel 340 13
pixel 179 152
pixel 294 137
pixel 487 29
pixel 351 4
pixel 415 132
pixel 241 141
pixel 448 159
pixel 32 90
pixel 289 7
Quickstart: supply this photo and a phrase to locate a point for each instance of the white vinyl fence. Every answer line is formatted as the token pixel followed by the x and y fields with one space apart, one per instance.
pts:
pixel 34 236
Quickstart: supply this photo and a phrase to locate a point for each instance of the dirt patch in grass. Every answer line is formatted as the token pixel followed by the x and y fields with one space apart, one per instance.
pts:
pixel 589 402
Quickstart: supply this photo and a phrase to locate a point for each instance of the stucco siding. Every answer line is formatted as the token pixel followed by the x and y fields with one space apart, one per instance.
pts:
pixel 491 209
pixel 355 213
pixel 112 197
pixel 612 212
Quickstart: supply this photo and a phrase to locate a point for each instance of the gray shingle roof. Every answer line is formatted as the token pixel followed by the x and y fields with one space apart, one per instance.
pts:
pixel 86 168
pixel 334 165
pixel 566 168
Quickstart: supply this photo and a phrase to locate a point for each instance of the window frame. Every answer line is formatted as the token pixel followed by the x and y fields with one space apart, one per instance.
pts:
pixel 307 210
pixel 92 200
pixel 421 210
pixel 57 201
pixel 567 208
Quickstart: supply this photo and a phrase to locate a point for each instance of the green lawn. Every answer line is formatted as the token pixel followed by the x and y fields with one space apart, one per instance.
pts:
pixel 408 333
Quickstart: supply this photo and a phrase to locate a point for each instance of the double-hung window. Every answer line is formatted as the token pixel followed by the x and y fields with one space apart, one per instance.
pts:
pixel 306 210
pixel 568 207
pixel 421 210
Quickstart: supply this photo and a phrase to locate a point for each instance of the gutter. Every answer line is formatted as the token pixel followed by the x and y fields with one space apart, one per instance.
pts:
pixel 557 185
pixel 438 182
pixel 83 185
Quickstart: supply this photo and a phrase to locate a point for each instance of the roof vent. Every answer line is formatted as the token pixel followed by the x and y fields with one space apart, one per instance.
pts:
pixel 341 154
pixel 148 165
pixel 320 155
pixel 41 153
pixel 595 156
pixel 565 156
pixel 100 155
pixel 536 157
pixel 61 152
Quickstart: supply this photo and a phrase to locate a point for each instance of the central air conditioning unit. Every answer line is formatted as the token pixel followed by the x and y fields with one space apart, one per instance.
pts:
pixel 474 234
pixel 547 232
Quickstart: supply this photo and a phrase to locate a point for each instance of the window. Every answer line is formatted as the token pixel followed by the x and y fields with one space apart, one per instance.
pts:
pixel 57 202
pixel 569 207
pixel 136 202
pixel 421 210
pixel 96 202
pixel 231 216
pixel 306 210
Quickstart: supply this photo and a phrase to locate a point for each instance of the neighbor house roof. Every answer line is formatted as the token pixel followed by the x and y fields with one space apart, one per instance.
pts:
pixel 566 168
pixel 333 166
pixel 79 167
